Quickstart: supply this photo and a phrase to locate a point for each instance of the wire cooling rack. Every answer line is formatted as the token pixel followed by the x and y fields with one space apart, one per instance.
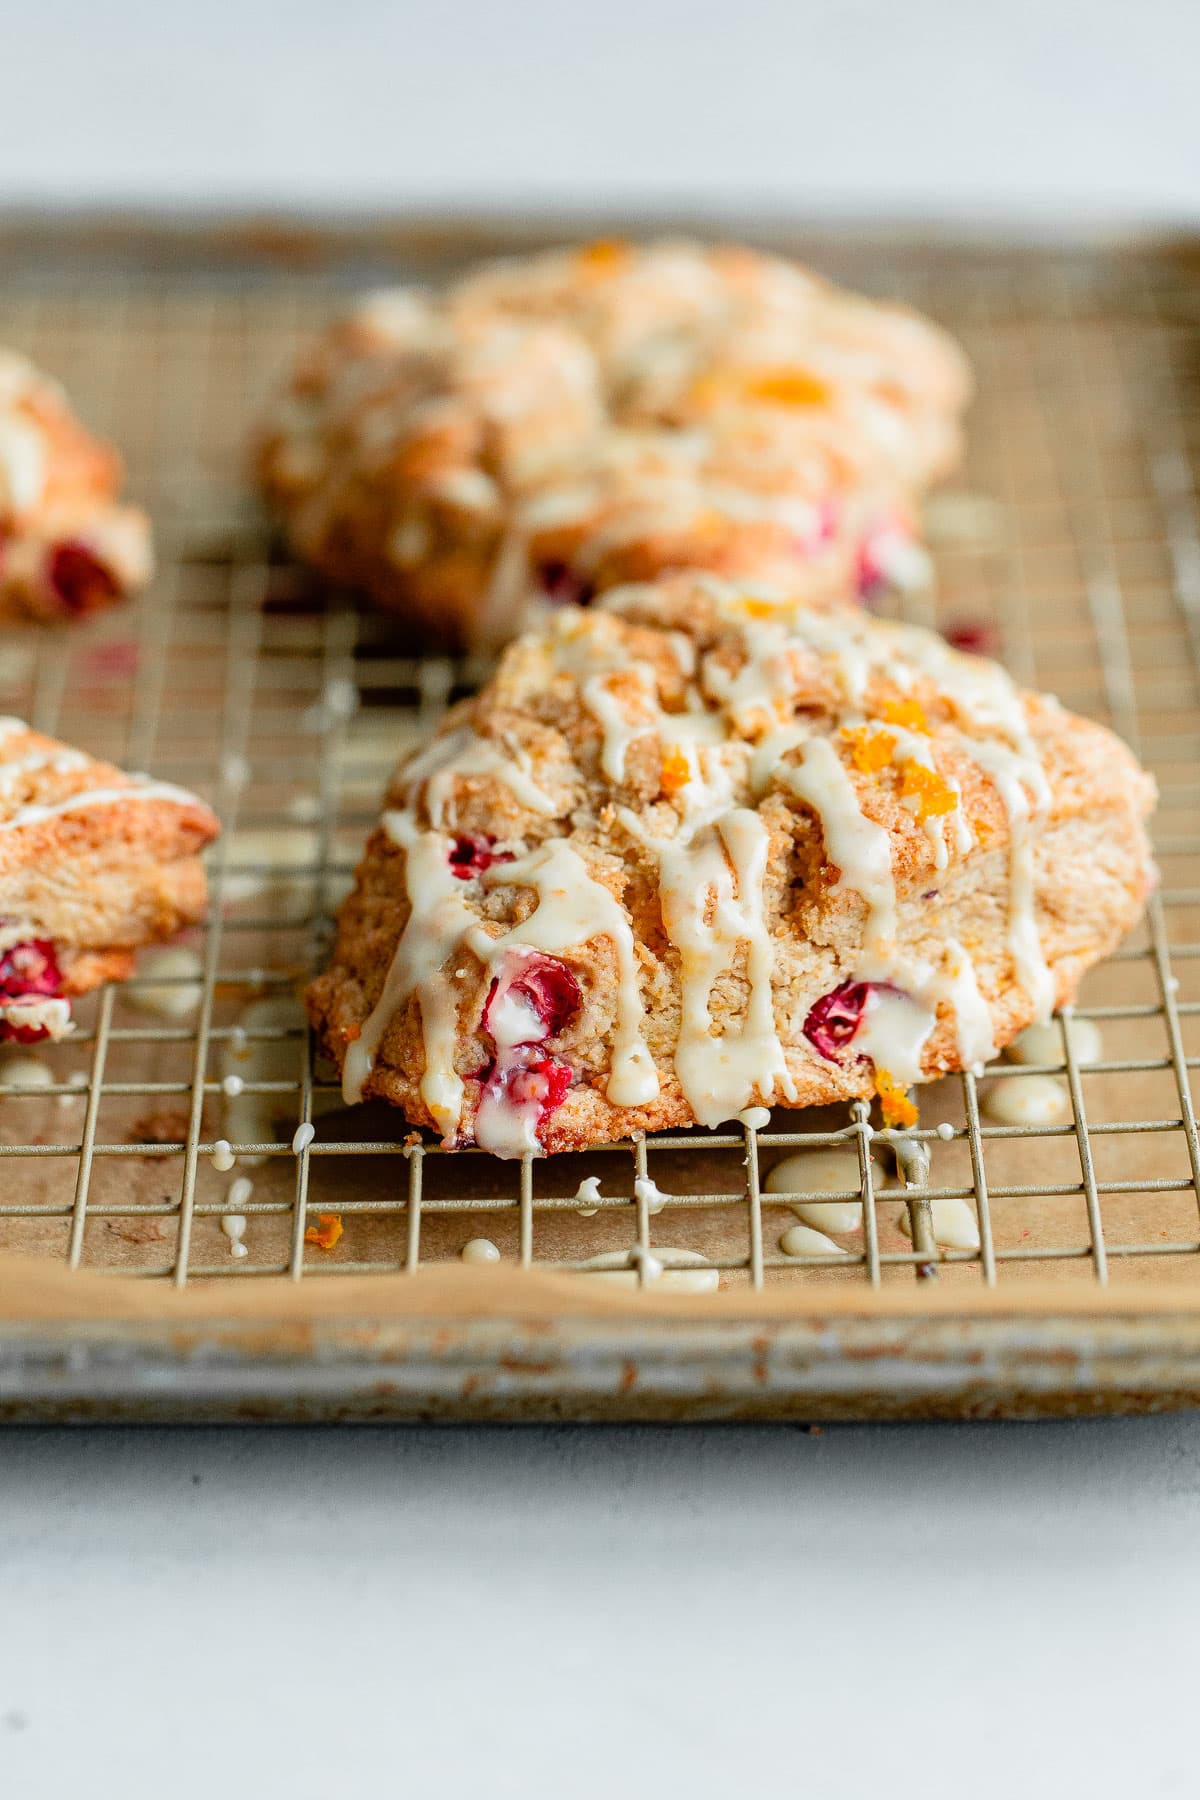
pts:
pixel 1068 544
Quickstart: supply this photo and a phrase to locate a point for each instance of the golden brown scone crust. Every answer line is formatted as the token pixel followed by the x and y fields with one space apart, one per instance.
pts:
pixel 688 743
pixel 553 426
pixel 67 547
pixel 94 862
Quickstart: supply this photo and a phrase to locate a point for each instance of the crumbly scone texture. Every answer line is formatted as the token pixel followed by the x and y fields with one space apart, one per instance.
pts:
pixel 94 864
pixel 67 546
pixel 795 857
pixel 552 426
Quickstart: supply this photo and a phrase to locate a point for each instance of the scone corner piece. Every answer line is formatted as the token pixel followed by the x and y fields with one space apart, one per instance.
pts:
pixel 68 546
pixel 94 865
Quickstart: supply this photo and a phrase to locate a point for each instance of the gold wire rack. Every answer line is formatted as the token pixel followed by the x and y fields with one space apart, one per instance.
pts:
pixel 1069 540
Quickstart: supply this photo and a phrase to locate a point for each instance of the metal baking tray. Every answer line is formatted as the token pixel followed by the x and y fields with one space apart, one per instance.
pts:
pixel 1069 539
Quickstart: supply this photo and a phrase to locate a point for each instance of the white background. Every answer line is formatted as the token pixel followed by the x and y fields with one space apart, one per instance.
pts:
pixel 1054 108
pixel 971 1611
pixel 954 1613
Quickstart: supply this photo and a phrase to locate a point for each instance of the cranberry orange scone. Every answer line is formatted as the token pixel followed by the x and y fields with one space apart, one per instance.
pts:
pixel 553 426
pixel 695 850
pixel 94 864
pixel 66 547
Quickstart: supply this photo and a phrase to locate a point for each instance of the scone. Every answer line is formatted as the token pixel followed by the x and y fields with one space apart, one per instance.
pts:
pixel 67 547
pixel 551 427
pixel 94 864
pixel 698 849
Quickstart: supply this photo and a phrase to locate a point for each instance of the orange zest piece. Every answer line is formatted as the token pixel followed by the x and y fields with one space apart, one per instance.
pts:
pixel 603 255
pixel 676 770
pixel 787 387
pixel 932 792
pixel 326 1232
pixel 870 750
pixel 768 387
pixel 897 1109
pixel 907 713
pixel 709 523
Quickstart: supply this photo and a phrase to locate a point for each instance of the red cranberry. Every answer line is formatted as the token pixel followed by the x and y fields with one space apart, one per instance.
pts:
pixel 522 1077
pixel 545 1081
pixel 836 1017
pixel 542 984
pixel 828 518
pixel 471 853
pixel 563 585
pixel 975 637
pixel 30 969
pixel 871 578
pixel 81 581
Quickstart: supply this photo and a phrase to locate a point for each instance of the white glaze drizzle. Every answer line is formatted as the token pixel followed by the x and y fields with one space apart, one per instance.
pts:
pixel 954 1224
pixel 38 1013
pixel 664 1266
pixel 62 762
pixel 894 1031
pixel 861 849
pixel 955 983
pixel 589 1191
pixel 573 907
pixel 463 754
pixel 649 1191
pixel 707 921
pixel 22 464
pixel 479 1250
pixel 609 713
pixel 439 920
pixel 233 1223
pixel 89 797
pixel 805 1240
pixel 1011 774
pixel 1027 1100
pixel 1044 1044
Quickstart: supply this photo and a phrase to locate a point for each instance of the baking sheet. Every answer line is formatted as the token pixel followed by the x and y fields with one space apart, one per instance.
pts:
pixel 1070 534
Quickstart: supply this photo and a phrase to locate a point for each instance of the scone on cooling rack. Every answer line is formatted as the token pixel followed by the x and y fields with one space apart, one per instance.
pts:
pixel 67 547
pixel 553 426
pixel 94 864
pixel 697 849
